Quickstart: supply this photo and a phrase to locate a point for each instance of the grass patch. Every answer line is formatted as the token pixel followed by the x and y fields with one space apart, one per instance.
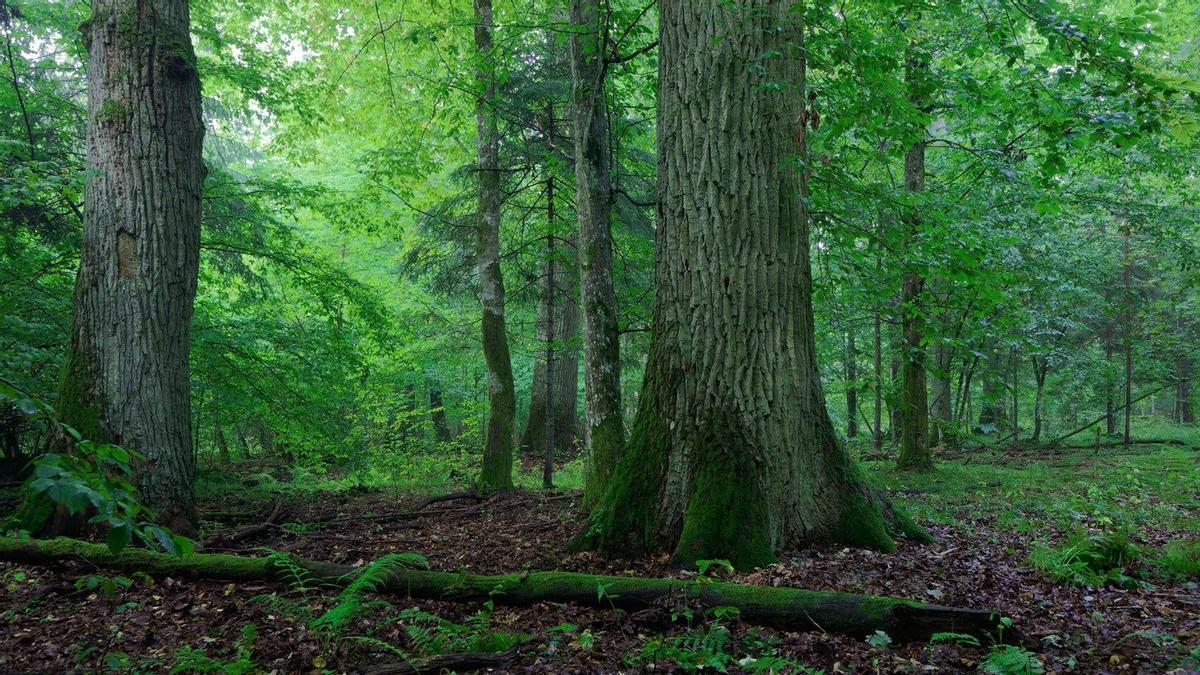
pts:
pixel 1181 558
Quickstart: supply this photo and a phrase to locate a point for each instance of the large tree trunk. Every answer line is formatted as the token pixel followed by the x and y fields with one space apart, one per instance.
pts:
pixel 914 405
pixel 496 473
pixel 604 430
pixel 126 380
pixel 732 454
pixel 788 608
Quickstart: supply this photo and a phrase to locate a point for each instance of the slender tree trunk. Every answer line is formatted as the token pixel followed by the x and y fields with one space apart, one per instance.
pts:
pixel 563 383
pixel 1016 380
pixel 222 445
pixel 1040 367
pixel 1129 314
pixel 126 380
pixel 604 430
pixel 732 454
pixel 877 430
pixel 552 367
pixel 914 405
pixel 851 385
pixel 991 407
pixel 496 473
pixel 1183 395
pixel 437 415
pixel 941 406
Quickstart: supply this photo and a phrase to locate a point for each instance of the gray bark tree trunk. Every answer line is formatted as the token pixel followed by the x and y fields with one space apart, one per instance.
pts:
pixel 732 453
pixel 126 380
pixel 496 472
pixel 604 430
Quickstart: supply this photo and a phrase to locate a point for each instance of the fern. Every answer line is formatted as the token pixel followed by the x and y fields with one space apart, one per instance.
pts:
pixel 349 602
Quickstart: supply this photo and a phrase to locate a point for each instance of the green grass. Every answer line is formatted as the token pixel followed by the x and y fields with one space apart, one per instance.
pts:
pixel 1146 486
pixel 1181 558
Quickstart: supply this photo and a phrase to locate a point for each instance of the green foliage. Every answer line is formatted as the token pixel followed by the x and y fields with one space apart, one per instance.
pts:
pixel 1181 557
pixel 712 646
pixel 106 585
pixel 1011 660
pixel 190 659
pixel 94 479
pixel 350 601
pixel 430 634
pixel 1089 559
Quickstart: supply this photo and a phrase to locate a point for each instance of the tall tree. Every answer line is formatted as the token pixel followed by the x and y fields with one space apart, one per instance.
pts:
pixel 126 378
pixel 496 473
pixel 732 453
pixel 914 408
pixel 603 427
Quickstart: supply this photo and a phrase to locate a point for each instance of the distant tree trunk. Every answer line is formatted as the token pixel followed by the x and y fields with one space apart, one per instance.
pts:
pixel 126 378
pixel 992 406
pixel 552 366
pixel 914 404
pixel 496 473
pixel 1127 274
pixel 437 415
pixel 851 386
pixel 1013 366
pixel 1040 368
pixel 222 445
pixel 1183 393
pixel 563 383
pixel 942 404
pixel 603 428
pixel 878 428
pixel 732 455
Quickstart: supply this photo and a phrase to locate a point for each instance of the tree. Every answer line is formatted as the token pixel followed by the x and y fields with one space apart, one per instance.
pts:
pixel 604 430
pixel 733 454
pixel 126 378
pixel 914 409
pixel 496 473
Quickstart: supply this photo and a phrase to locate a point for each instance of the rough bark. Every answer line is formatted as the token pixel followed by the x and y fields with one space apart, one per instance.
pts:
pixel 496 472
pixel 783 607
pixel 126 378
pixel 732 453
pixel 604 430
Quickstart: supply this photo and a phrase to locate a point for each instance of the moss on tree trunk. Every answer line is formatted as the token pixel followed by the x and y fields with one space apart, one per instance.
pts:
pixel 732 453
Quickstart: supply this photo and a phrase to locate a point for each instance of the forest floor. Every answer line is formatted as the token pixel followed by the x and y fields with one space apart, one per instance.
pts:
pixel 991 514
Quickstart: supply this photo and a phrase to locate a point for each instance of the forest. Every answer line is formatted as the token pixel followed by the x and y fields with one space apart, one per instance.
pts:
pixel 614 336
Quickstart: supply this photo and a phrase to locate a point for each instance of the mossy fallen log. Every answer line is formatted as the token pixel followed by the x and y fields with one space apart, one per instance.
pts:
pixel 782 607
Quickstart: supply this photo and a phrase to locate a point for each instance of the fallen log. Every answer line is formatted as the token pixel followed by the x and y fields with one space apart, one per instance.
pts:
pixel 787 608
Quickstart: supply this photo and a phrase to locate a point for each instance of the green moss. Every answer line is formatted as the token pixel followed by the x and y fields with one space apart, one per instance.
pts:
pixel 32 516
pixel 624 522
pixel 78 403
pixel 112 111
pixel 727 516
